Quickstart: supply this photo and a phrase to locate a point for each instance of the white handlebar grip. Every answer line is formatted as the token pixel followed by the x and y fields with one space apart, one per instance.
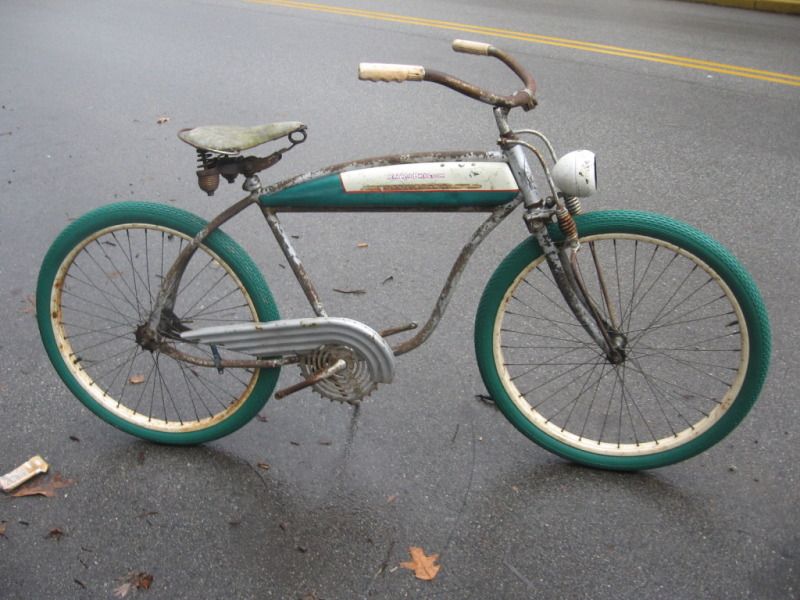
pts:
pixel 383 72
pixel 468 47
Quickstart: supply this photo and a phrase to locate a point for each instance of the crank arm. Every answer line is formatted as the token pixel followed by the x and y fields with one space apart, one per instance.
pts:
pixel 339 365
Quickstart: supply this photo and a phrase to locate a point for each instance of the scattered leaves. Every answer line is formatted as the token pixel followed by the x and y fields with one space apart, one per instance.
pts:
pixel 424 566
pixel 133 581
pixel 44 488
pixel 354 292
pixel 136 379
pixel 162 120
pixel 55 534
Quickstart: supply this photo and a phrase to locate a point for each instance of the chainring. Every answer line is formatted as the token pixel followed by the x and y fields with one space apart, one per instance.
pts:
pixel 351 384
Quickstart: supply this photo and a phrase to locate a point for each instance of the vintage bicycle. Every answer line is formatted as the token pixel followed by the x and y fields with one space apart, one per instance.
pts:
pixel 616 339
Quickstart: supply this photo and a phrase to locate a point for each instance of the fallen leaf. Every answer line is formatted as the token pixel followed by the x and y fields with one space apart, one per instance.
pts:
pixel 45 488
pixel 55 534
pixel 136 379
pixel 162 120
pixel 138 581
pixel 424 566
pixel 355 292
pixel 362 245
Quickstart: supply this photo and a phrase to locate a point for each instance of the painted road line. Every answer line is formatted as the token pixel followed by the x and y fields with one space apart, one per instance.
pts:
pixel 678 61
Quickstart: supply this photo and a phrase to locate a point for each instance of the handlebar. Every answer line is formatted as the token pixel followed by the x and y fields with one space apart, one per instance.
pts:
pixel 524 98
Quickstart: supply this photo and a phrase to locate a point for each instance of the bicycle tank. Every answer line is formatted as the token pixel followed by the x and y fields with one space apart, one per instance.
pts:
pixel 427 182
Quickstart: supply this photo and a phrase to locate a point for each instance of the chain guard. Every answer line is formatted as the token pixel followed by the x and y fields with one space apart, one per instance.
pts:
pixel 350 385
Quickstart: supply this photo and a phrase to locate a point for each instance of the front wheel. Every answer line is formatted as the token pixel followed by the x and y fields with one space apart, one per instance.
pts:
pixel 691 323
pixel 96 287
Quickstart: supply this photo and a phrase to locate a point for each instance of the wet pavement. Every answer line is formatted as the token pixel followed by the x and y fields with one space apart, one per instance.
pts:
pixel 318 500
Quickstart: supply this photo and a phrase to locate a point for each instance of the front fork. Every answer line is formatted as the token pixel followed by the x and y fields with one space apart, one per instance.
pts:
pixel 562 258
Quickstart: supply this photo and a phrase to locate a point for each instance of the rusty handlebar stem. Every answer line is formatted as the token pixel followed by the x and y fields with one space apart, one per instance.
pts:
pixel 524 98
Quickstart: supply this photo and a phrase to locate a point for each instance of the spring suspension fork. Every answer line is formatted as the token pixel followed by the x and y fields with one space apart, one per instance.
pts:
pixel 574 292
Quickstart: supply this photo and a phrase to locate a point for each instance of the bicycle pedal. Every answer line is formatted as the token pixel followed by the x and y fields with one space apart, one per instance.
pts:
pixel 320 375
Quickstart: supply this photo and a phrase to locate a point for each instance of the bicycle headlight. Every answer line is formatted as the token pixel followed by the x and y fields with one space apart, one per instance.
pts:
pixel 575 173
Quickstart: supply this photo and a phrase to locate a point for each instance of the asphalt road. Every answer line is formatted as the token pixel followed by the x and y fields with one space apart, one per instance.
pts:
pixel 422 462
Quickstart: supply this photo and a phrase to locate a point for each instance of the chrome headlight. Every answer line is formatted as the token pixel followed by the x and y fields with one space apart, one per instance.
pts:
pixel 575 173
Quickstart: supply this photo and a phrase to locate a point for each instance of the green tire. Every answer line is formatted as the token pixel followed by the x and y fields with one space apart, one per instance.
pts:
pixel 563 431
pixel 109 225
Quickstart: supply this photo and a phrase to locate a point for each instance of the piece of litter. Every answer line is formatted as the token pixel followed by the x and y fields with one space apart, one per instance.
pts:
pixel 26 471
pixel 356 292
pixel 362 245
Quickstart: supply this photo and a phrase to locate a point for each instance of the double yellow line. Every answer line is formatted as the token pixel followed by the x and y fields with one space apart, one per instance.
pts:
pixel 667 59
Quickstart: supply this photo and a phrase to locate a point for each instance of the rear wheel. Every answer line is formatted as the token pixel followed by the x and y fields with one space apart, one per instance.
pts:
pixel 96 288
pixel 694 333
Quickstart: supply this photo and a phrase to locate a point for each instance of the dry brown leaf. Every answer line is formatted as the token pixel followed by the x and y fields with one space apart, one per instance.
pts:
pixel 44 488
pixel 138 581
pixel 136 379
pixel 424 566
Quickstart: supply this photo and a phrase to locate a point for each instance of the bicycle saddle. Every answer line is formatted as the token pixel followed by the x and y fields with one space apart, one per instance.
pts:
pixel 230 139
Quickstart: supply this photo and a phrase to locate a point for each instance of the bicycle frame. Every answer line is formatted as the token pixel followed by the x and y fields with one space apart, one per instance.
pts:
pixel 326 190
